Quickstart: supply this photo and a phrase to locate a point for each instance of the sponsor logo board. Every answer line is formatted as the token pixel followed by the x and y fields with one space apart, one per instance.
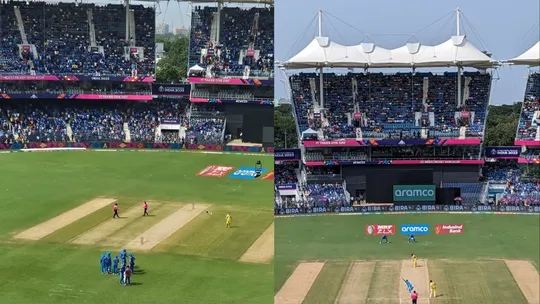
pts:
pixel 215 171
pixel 246 173
pixel 449 229
pixel 414 229
pixel 380 229
pixel 414 193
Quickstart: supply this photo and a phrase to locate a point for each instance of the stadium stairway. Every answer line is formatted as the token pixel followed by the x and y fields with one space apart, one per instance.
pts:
pixel 69 132
pixel 182 132
pixel 24 39
pixel 127 132
pixel 425 91
pixel 467 89
pixel 91 27
pixel 157 134
pixel 20 24
pixel 313 87
pixel 214 28
pixel 462 132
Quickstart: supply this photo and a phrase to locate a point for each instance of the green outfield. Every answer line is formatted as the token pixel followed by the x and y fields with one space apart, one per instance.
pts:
pixel 56 220
pixel 331 259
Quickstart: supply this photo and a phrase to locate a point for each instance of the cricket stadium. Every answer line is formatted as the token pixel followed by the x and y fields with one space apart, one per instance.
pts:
pixel 390 194
pixel 79 82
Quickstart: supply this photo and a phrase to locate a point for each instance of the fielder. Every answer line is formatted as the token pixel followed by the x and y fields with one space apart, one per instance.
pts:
pixel 411 239
pixel 432 289
pixel 410 286
pixel 384 237
pixel 228 220
pixel 132 262
pixel 122 272
pixel 102 263
pixel 115 265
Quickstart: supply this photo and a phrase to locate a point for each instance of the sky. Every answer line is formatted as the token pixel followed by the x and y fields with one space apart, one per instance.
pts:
pixel 504 28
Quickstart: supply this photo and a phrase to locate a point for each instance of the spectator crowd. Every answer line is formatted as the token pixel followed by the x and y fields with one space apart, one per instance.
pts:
pixel 396 106
pixel 527 128
pixel 246 39
pixel 60 120
pixel 56 38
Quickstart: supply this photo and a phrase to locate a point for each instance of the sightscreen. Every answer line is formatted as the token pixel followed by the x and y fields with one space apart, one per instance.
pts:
pixel 380 183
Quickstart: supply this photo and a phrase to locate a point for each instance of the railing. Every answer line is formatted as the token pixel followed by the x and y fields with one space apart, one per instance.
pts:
pixel 74 74
pixel 253 74
pixel 433 158
pixel 393 158
pixel 333 177
pixel 75 91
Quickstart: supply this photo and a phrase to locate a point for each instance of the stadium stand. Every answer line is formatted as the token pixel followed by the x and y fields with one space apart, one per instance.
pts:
pixel 517 190
pixel 530 111
pixel 42 121
pixel 55 38
pixel 391 104
pixel 240 30
pixel 285 174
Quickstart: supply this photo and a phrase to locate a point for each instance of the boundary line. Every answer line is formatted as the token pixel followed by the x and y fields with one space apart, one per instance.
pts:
pixel 402 213
pixel 142 150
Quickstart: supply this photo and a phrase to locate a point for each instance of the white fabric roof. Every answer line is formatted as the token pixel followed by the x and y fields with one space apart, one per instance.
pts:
pixel 196 68
pixel 531 57
pixel 321 52
pixel 309 131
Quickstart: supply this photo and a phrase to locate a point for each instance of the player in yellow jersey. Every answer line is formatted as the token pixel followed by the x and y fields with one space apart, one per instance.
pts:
pixel 414 260
pixel 228 220
pixel 432 289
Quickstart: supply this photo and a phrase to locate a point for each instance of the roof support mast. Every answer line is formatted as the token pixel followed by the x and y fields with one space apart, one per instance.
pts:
pixel 460 68
pixel 218 23
pixel 321 79
pixel 128 38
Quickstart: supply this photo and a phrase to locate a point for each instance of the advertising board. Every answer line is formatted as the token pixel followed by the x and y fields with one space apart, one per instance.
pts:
pixel 414 193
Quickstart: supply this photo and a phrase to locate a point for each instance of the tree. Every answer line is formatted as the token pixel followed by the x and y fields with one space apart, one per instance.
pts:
pixel 501 124
pixel 284 128
pixel 172 67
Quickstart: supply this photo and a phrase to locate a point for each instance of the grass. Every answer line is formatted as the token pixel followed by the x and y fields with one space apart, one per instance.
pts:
pixel 475 282
pixel 38 186
pixel 342 238
pixel 206 235
pixel 67 233
pixel 327 283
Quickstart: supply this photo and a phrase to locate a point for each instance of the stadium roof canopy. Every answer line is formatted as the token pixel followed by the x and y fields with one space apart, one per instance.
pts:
pixel 531 57
pixel 322 52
